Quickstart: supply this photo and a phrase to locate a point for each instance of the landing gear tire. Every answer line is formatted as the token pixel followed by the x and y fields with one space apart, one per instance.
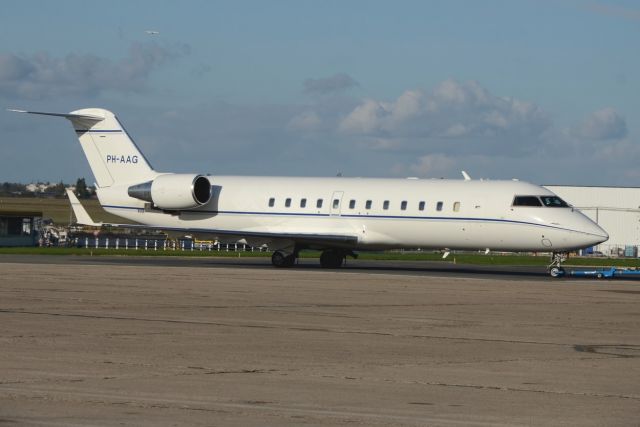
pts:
pixel 556 272
pixel 331 259
pixel 280 259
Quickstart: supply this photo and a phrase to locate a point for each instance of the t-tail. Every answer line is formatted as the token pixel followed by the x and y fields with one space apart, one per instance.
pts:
pixel 123 175
pixel 112 155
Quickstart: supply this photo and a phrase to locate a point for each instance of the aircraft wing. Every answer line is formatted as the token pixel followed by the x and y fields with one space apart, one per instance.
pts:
pixel 301 237
pixel 83 218
pixel 312 239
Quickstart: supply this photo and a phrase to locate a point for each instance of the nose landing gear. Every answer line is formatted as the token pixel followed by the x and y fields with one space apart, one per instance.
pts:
pixel 555 268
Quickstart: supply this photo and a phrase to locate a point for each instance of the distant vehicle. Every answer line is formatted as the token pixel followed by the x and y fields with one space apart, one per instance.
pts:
pixel 336 215
pixel 152 32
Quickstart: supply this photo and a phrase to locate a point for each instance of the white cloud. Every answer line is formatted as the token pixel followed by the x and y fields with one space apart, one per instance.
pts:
pixel 366 118
pixel 406 107
pixel 605 124
pixel 371 116
pixel 432 165
pixel 378 143
pixel 451 110
pixel 451 93
pixel 456 130
pixel 40 75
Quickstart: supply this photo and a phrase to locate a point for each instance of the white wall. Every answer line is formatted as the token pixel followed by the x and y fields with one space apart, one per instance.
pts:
pixel 616 209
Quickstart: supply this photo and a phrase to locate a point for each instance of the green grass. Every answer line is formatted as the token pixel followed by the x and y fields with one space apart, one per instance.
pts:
pixel 59 210
pixel 480 259
pixel 472 259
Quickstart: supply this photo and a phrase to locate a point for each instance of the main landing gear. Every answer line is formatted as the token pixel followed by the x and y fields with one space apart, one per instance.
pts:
pixel 555 268
pixel 330 258
pixel 282 259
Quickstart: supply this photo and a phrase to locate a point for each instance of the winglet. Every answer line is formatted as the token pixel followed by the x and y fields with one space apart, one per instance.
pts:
pixel 82 217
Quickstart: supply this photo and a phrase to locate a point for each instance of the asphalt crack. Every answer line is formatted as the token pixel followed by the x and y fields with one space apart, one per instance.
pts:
pixel 290 328
pixel 527 390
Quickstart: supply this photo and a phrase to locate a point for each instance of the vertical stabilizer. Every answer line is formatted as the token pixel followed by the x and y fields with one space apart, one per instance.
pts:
pixel 113 156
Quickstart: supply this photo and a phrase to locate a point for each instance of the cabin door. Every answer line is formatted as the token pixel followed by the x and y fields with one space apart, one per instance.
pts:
pixel 336 203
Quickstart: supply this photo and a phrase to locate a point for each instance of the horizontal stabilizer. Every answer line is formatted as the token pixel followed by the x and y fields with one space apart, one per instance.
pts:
pixel 69 116
pixel 82 217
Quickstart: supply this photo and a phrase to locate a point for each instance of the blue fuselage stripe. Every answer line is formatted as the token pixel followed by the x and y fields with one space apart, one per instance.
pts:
pixel 98 130
pixel 423 218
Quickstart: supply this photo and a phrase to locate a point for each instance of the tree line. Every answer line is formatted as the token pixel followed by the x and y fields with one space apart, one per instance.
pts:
pixel 16 189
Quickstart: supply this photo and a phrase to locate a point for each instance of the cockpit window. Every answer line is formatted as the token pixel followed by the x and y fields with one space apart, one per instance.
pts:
pixel 526 201
pixel 553 202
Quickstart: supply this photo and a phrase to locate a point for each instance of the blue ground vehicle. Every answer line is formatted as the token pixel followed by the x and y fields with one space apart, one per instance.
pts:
pixel 602 273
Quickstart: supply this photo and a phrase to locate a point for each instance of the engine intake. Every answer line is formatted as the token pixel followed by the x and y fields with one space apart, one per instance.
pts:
pixel 174 191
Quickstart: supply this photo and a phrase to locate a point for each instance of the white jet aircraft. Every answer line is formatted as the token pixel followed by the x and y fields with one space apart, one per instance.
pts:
pixel 335 215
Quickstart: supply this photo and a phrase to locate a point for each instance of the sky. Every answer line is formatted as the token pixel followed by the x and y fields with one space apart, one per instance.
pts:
pixel 543 91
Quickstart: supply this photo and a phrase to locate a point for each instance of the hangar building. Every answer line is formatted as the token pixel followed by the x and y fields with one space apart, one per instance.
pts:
pixel 19 228
pixel 616 209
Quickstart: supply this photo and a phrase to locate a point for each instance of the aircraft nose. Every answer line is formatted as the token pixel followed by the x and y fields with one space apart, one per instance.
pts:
pixel 596 233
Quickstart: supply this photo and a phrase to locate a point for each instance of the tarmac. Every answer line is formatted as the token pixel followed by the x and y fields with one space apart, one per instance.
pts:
pixel 218 342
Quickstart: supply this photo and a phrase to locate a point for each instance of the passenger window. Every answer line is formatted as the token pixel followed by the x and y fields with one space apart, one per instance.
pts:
pixel 456 207
pixel 368 204
pixel 287 203
pixel 421 206
pixel 319 203
pixel 272 202
pixel 385 205
pixel 439 206
pixel 303 203
pixel 526 201
pixel 352 204
pixel 336 203
pixel 403 205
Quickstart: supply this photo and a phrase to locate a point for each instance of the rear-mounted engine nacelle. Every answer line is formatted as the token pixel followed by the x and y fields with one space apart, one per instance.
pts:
pixel 174 191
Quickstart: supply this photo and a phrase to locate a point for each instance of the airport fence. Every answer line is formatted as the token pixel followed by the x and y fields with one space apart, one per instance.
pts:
pixel 157 244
